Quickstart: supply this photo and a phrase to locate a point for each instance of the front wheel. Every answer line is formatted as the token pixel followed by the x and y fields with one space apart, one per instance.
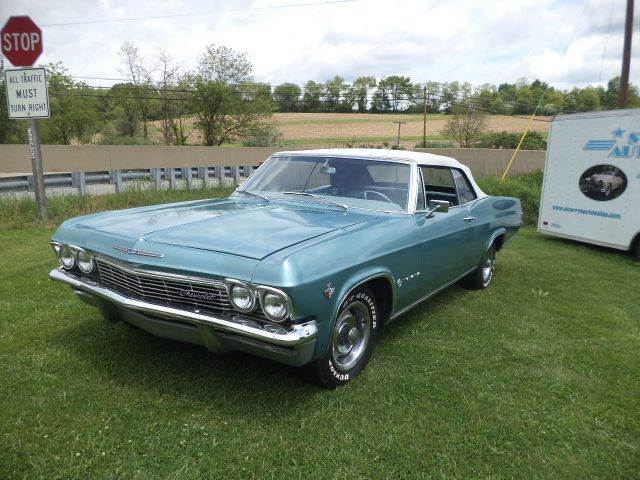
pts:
pixel 352 340
pixel 481 277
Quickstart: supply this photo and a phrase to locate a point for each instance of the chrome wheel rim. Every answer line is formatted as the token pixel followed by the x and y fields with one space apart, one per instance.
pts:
pixel 351 336
pixel 488 266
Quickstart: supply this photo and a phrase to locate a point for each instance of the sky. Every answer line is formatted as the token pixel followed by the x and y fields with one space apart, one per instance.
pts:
pixel 566 43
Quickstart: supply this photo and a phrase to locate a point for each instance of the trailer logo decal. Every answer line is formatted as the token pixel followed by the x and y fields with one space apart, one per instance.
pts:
pixel 620 147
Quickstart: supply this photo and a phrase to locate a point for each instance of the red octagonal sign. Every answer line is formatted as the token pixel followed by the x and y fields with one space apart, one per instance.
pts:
pixel 21 41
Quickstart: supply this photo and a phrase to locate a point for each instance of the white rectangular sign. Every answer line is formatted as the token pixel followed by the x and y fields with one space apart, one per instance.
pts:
pixel 27 95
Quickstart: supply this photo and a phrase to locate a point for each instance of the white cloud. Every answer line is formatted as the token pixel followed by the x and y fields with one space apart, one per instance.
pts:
pixel 476 41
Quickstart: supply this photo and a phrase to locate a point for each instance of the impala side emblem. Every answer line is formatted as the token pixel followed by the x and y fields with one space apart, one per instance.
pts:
pixel 329 291
pixel 135 251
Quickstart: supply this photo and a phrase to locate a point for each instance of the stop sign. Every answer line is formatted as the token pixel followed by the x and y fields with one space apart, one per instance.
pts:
pixel 21 41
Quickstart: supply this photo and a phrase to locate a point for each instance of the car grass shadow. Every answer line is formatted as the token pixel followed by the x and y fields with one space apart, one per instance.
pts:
pixel 235 384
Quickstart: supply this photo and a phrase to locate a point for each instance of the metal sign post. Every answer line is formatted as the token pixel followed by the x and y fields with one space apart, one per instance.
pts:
pixel 26 88
pixel 33 132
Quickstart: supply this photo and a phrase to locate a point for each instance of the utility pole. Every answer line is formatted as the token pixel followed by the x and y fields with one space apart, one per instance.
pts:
pixel 626 55
pixel 424 119
pixel 399 124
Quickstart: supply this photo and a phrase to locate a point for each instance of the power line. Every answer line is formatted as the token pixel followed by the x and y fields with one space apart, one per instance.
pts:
pixel 193 14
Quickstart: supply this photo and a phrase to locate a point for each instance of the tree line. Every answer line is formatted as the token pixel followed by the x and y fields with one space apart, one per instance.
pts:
pixel 227 106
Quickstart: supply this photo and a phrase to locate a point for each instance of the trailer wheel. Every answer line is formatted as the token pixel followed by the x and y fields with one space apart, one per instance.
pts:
pixel 636 253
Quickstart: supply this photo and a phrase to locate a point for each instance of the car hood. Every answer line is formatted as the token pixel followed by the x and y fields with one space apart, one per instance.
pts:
pixel 252 230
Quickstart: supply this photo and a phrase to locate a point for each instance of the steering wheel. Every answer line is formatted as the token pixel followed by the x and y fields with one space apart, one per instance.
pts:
pixel 384 197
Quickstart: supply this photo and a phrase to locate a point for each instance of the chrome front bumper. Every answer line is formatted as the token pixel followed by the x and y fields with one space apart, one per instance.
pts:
pixel 293 345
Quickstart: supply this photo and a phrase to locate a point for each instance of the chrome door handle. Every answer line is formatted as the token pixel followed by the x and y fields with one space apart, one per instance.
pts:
pixel 469 219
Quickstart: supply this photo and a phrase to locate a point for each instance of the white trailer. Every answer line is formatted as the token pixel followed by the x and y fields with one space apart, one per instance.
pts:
pixel 591 187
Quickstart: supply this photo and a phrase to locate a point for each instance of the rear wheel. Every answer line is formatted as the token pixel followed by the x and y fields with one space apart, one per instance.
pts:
pixel 352 341
pixel 481 277
pixel 636 253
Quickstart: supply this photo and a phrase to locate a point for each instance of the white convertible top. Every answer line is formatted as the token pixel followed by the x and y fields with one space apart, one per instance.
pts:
pixel 405 156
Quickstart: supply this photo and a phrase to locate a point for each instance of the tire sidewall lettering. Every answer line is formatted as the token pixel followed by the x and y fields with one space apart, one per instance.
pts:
pixel 366 299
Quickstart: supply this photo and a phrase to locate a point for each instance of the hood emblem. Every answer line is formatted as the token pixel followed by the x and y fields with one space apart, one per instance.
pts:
pixel 135 251
pixel 329 291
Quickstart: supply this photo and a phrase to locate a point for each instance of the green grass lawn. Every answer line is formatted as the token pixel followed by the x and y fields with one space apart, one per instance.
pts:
pixel 538 376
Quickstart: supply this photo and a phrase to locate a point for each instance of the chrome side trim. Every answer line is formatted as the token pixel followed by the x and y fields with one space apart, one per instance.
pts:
pixel 162 275
pixel 429 295
pixel 292 336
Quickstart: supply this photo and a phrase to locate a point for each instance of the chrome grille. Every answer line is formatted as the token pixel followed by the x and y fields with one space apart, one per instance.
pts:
pixel 164 289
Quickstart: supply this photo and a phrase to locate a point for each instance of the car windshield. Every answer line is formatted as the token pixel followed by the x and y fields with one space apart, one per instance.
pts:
pixel 338 181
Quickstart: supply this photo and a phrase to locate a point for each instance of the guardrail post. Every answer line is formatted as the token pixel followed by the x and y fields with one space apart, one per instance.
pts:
pixel 78 180
pixel 172 178
pixel 247 170
pixel 156 175
pixel 116 179
pixel 30 183
pixel 235 173
pixel 203 173
pixel 219 173
pixel 186 175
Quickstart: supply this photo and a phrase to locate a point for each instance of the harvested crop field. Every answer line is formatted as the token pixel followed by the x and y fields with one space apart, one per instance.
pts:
pixel 297 126
pixel 352 129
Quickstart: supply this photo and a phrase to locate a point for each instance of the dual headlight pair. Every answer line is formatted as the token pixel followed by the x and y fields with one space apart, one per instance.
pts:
pixel 71 257
pixel 244 297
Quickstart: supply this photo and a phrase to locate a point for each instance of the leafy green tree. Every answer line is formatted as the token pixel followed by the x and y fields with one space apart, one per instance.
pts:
pixel 287 97
pixel 393 92
pixel 172 106
pixel 221 64
pixel 123 109
pixel 134 65
pixel 359 92
pixel 74 109
pixel 312 97
pixel 585 99
pixel 466 126
pixel 525 100
pixel 333 93
pixel 227 105
pixel 610 97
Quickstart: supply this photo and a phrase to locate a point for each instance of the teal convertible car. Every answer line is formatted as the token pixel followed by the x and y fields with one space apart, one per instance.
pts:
pixel 302 264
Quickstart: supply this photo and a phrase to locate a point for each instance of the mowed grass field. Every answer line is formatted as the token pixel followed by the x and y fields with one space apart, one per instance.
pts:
pixel 311 130
pixel 536 377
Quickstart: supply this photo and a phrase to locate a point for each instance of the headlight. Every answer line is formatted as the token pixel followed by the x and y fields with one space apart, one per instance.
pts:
pixel 241 297
pixel 275 305
pixel 85 260
pixel 67 257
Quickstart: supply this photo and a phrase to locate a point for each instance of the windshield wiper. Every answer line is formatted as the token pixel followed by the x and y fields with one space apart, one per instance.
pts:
pixel 251 194
pixel 319 197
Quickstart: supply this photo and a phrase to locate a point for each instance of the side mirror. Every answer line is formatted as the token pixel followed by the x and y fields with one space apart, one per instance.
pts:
pixel 434 206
